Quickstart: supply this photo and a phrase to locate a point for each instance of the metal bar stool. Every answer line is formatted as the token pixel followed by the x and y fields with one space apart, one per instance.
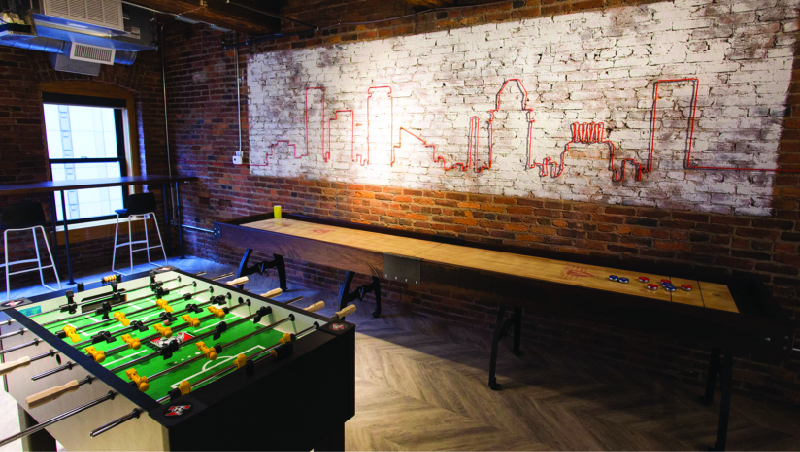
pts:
pixel 141 206
pixel 25 216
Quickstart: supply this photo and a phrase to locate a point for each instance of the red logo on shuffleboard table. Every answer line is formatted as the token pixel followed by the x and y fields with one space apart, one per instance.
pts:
pixel 177 410
pixel 322 231
pixel 575 273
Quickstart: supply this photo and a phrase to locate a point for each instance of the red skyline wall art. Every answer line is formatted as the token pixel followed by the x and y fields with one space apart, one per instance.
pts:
pixel 654 105
pixel 620 163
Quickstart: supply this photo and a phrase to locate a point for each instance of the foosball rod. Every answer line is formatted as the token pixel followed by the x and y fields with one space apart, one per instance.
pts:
pixel 10 321
pixel 151 308
pixel 36 341
pixel 259 313
pixel 219 348
pixel 186 386
pixel 42 425
pixel 337 316
pixel 72 317
pixel 239 363
pixel 69 364
pixel 100 356
pixel 267 327
pixel 53 393
pixel 166 332
pixel 106 427
pixel 98 298
pixel 242 358
pixel 126 302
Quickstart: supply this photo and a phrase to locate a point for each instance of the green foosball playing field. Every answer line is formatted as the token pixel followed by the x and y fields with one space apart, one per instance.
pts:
pixel 195 313
pixel 148 362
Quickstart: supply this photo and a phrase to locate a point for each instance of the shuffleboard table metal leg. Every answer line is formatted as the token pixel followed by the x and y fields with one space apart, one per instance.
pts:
pixel 517 329
pixel 40 440
pixel 498 332
pixel 344 290
pixel 243 263
pixel 262 267
pixel 725 374
pixel 346 295
pixel 711 378
pixel 281 270
pixel 376 285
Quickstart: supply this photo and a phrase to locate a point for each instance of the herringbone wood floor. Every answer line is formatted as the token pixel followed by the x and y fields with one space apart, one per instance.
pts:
pixel 421 385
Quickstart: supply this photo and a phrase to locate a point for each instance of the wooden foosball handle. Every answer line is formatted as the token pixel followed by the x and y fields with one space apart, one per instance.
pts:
pixel 238 281
pixel 272 293
pixel 345 312
pixel 48 395
pixel 9 366
pixel 315 307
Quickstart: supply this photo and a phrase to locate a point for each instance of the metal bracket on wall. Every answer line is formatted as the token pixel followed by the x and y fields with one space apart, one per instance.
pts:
pixel 400 268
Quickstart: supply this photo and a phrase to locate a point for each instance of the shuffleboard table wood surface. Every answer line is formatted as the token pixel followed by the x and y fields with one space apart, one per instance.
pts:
pixel 729 314
pixel 513 264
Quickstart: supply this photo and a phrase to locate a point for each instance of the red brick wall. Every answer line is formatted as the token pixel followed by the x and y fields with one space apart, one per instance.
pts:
pixel 22 139
pixel 201 85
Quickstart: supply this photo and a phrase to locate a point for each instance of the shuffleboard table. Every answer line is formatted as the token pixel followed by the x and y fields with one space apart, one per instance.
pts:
pixel 728 315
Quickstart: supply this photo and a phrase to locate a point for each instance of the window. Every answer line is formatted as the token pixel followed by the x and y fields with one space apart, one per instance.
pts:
pixel 85 140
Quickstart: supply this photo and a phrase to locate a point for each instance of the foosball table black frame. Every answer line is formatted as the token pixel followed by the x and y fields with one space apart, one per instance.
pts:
pixel 312 387
pixel 761 329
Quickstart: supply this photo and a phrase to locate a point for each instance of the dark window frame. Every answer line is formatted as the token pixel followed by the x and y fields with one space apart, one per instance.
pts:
pixel 91 101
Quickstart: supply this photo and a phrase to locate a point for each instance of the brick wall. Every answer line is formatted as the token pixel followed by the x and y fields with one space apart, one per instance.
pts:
pixel 493 108
pixel 711 243
pixel 23 147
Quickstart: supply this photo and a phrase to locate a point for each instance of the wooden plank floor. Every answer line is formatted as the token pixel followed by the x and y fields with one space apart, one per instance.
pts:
pixel 421 385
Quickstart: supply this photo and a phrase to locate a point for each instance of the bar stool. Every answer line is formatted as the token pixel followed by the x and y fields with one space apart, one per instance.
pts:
pixel 141 206
pixel 25 216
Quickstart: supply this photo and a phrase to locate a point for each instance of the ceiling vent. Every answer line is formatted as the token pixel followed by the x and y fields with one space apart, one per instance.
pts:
pixel 106 13
pixel 92 54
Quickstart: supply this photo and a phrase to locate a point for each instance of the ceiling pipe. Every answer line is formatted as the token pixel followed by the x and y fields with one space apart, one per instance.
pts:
pixel 263 38
pixel 238 95
pixel 277 16
pixel 164 87
pixel 51 45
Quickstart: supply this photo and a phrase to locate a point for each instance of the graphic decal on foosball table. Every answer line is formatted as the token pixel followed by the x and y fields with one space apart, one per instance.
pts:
pixel 166 337
pixel 621 161
pixel 177 410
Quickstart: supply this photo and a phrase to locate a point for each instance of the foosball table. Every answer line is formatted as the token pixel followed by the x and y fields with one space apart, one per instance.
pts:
pixel 167 360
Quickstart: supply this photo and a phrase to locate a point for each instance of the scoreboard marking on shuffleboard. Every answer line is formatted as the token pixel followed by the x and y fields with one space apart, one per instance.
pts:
pixel 690 292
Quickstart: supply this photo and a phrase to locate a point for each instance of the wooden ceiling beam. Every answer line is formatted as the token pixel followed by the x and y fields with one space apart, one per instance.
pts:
pixel 218 12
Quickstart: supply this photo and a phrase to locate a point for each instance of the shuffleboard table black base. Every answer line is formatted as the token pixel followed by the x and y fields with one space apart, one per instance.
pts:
pixel 346 295
pixel 720 364
pixel 262 267
pixel 501 329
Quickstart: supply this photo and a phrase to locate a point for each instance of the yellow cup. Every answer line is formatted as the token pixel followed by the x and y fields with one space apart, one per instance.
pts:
pixel 278 211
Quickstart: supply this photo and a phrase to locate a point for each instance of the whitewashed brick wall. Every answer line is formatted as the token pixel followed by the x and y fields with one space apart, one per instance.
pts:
pixel 593 66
